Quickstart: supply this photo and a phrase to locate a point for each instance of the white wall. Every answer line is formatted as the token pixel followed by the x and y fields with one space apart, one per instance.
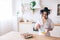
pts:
pixel 52 4
pixel 5 16
pixel 28 15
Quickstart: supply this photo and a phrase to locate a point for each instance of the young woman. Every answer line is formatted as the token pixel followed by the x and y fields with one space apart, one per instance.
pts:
pixel 45 24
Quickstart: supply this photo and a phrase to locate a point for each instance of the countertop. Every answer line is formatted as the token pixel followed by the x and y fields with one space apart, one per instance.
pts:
pixel 17 36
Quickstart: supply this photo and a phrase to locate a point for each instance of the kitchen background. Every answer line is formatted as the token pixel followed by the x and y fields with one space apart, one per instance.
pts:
pixel 11 10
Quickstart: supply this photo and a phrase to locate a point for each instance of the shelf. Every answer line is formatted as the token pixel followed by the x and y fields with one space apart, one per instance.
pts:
pixel 25 22
pixel 56 24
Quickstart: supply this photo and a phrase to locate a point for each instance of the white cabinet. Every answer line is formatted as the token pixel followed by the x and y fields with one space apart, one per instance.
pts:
pixel 26 27
pixel 56 31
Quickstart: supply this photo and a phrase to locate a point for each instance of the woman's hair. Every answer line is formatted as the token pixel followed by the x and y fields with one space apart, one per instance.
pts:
pixel 45 10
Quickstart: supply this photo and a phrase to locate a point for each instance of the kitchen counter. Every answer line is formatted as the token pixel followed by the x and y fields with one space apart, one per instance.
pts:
pixel 38 37
pixel 17 36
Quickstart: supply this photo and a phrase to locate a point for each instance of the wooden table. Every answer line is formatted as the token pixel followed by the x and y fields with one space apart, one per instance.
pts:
pixel 38 37
pixel 17 36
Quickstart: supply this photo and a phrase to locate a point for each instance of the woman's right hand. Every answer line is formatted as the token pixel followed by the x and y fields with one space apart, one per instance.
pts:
pixel 38 26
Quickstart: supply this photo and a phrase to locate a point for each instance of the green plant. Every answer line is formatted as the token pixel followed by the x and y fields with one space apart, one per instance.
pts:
pixel 33 3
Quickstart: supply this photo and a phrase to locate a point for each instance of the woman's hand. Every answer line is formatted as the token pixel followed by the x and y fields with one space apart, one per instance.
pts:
pixel 48 29
pixel 38 26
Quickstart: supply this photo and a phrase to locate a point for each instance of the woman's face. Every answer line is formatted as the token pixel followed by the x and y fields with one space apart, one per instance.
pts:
pixel 44 15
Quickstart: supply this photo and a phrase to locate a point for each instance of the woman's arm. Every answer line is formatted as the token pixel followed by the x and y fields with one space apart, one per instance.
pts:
pixel 37 26
pixel 49 29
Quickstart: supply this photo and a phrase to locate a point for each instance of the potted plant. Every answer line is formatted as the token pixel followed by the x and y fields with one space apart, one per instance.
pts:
pixel 33 3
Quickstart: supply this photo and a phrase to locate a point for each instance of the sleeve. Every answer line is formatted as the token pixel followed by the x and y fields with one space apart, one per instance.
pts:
pixel 52 26
pixel 49 24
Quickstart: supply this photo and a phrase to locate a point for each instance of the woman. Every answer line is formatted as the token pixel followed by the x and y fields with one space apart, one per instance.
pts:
pixel 44 25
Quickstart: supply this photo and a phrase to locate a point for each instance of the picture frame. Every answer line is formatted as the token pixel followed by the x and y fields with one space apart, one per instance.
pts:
pixel 58 9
